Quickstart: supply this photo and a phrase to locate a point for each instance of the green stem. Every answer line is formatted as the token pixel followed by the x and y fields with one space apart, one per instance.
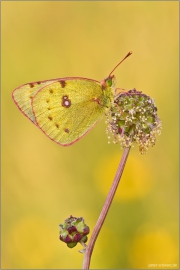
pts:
pixel 99 224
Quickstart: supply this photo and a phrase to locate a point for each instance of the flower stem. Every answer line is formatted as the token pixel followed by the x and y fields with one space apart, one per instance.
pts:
pixel 105 209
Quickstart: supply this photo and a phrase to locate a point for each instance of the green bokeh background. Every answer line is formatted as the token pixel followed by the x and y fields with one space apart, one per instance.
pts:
pixel 42 182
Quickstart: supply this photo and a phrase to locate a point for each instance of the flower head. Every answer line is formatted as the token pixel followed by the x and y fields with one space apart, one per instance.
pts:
pixel 73 230
pixel 133 119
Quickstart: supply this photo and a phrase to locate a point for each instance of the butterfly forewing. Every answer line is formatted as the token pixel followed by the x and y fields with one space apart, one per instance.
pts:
pixel 66 109
pixel 23 96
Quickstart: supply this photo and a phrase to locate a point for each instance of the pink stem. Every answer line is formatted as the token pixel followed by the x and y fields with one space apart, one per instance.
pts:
pixel 89 250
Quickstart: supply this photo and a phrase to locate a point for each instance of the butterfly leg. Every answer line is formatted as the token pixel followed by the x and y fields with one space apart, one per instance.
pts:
pixel 118 92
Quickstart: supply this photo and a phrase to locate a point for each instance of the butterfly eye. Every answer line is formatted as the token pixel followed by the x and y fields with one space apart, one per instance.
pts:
pixel 109 82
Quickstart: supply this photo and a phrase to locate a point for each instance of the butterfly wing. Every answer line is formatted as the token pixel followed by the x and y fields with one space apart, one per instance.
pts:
pixel 65 110
pixel 23 95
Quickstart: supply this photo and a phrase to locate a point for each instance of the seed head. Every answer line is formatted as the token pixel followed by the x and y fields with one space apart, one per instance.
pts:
pixel 133 119
pixel 73 230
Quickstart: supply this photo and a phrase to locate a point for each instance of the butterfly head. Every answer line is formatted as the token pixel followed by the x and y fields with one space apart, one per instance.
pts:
pixel 110 81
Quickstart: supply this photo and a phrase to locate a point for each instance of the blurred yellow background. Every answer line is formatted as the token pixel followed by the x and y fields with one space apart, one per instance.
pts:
pixel 42 182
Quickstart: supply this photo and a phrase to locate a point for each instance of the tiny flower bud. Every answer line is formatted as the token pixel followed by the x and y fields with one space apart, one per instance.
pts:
pixel 73 230
pixel 71 245
pixel 133 119
pixel 84 239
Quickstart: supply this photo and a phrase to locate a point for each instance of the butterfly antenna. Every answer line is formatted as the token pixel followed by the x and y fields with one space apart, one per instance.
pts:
pixel 129 53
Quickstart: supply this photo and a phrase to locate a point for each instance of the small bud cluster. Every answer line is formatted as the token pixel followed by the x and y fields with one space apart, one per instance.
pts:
pixel 133 119
pixel 73 230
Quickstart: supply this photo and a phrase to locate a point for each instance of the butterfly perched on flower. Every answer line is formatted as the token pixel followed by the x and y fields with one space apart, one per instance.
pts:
pixel 65 109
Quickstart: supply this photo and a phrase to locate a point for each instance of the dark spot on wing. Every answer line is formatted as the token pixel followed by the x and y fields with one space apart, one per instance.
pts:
pixel 66 130
pixel 51 91
pixel 66 102
pixel 62 83
pixel 50 118
pixel 57 125
pixel 31 85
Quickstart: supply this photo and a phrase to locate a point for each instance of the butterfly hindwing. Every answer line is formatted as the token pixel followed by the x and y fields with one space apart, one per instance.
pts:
pixel 23 95
pixel 66 109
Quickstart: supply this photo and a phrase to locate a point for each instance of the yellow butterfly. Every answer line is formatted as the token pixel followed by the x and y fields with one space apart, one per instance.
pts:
pixel 65 109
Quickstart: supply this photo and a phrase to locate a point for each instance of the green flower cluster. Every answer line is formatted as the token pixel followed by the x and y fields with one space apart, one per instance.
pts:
pixel 133 119
pixel 73 230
